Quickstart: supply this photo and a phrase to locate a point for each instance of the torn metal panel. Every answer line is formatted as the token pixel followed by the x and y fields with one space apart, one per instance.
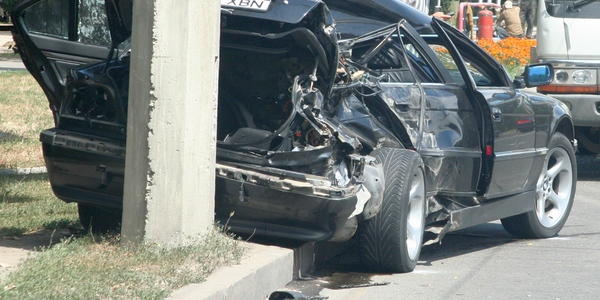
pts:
pixel 292 182
pixel 464 217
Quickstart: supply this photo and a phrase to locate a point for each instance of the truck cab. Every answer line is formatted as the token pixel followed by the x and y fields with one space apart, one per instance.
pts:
pixel 566 38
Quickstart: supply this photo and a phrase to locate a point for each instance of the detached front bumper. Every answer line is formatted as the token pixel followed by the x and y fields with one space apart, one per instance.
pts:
pixel 286 204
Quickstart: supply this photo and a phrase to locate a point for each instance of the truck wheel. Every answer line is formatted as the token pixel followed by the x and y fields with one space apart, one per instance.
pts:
pixel 588 140
pixel 554 194
pixel 99 219
pixel 391 241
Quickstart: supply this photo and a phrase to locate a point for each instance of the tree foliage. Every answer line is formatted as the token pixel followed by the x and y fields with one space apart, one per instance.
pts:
pixel 7 5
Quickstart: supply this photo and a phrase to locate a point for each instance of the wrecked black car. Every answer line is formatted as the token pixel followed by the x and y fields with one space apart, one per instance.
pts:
pixel 404 131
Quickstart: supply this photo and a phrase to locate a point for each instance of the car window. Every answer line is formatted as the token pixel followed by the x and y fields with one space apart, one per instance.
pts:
pixel 92 23
pixel 52 18
pixel 448 62
pixel 49 18
pixel 479 74
pixel 420 64
pixel 391 60
pixel 482 68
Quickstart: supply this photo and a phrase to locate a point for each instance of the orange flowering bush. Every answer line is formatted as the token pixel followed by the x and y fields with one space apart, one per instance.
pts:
pixel 511 52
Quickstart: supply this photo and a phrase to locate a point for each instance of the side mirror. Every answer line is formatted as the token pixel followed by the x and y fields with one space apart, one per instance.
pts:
pixel 552 8
pixel 538 74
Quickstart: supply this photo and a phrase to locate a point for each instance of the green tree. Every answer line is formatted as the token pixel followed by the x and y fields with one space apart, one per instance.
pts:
pixel 7 5
pixel 446 5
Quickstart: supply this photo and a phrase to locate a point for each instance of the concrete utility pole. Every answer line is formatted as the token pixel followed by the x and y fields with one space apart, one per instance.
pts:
pixel 171 130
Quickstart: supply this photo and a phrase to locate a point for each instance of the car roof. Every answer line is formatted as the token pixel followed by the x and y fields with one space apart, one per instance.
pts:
pixel 285 11
pixel 358 17
pixel 354 17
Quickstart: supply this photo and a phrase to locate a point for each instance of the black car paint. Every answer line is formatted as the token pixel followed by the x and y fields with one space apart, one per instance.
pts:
pixel 357 17
pixel 85 153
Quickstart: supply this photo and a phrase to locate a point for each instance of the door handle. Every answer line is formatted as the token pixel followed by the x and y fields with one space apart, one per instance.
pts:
pixel 496 114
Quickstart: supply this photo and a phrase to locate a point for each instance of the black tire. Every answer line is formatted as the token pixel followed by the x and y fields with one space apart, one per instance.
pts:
pixel 99 219
pixel 555 192
pixel 391 241
pixel 587 138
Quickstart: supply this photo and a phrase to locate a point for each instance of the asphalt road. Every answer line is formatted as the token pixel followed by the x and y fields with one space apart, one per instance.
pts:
pixel 485 262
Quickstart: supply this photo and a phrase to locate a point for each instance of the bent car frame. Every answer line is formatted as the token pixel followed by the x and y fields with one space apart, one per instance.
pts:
pixel 325 132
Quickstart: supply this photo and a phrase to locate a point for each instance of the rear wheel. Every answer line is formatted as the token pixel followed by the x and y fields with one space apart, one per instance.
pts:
pixel 391 241
pixel 554 195
pixel 98 219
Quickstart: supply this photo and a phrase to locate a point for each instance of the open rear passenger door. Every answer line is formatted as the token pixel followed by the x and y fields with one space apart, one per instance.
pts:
pixel 54 36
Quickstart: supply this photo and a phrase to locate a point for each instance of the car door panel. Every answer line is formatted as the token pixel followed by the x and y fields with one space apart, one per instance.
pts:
pixel 514 140
pixel 459 74
pixel 48 52
pixel 511 117
pixel 65 55
pixel 450 141
pixel 451 147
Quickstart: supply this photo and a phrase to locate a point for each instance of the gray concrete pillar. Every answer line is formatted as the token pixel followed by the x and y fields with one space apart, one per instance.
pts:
pixel 171 130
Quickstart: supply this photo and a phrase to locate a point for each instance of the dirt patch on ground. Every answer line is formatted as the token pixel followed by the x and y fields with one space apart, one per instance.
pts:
pixel 14 250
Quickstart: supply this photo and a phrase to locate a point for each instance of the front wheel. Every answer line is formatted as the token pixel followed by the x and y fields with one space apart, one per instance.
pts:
pixel 555 192
pixel 391 241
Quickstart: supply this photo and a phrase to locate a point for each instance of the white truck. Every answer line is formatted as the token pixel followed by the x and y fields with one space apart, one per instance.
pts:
pixel 568 37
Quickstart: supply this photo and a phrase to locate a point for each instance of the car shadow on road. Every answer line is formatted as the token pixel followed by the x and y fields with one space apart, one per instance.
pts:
pixel 457 243
pixel 465 241
pixel 588 167
pixel 345 271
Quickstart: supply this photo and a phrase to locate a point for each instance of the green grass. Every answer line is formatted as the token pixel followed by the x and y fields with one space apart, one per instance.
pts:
pixel 100 268
pixel 86 267
pixel 27 204
pixel 24 113
pixel 96 267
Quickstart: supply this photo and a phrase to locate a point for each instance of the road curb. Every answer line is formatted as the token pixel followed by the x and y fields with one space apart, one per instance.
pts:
pixel 24 171
pixel 264 270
